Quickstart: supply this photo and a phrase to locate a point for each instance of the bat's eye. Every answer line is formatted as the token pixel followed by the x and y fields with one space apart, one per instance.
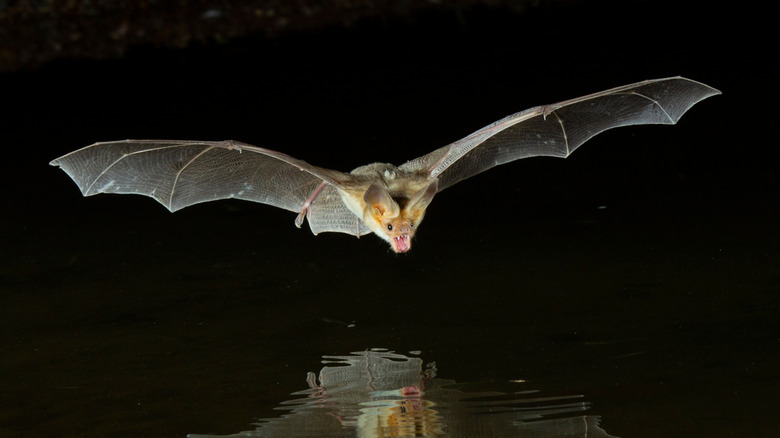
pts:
pixel 390 227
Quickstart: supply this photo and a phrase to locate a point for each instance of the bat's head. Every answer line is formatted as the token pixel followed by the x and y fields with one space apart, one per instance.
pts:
pixel 396 219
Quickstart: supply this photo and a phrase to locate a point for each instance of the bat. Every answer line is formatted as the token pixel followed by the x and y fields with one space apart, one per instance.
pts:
pixel 389 201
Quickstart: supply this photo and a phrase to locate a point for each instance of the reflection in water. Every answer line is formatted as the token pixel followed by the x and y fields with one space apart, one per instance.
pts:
pixel 378 393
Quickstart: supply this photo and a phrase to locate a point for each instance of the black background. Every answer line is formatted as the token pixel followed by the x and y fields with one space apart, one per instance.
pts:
pixel 641 272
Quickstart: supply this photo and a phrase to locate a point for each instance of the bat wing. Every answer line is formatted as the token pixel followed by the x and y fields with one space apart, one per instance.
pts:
pixel 559 129
pixel 182 173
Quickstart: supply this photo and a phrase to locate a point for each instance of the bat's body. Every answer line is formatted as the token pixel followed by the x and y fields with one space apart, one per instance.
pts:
pixel 389 201
pixel 381 198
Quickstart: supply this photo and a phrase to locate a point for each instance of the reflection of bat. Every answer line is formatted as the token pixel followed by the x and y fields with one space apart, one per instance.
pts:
pixel 380 393
pixel 381 198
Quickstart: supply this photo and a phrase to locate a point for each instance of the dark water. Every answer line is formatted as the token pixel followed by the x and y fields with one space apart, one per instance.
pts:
pixel 632 290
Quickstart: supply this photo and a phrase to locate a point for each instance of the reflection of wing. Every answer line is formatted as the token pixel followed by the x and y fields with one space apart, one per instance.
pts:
pixel 182 173
pixel 559 129
pixel 370 370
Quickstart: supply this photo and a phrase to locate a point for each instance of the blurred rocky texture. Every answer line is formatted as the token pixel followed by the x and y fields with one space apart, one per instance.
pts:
pixel 34 32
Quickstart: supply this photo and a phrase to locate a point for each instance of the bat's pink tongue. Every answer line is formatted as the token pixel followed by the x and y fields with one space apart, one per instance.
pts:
pixel 401 243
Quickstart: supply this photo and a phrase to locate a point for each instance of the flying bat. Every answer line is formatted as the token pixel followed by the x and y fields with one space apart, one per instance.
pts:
pixel 389 201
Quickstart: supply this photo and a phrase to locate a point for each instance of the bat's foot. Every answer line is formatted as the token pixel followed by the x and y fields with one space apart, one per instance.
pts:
pixel 299 218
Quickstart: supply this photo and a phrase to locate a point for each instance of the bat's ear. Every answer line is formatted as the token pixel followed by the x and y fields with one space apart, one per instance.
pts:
pixel 380 202
pixel 423 197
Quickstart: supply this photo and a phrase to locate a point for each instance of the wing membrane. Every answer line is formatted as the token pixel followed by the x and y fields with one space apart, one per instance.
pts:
pixel 559 129
pixel 181 173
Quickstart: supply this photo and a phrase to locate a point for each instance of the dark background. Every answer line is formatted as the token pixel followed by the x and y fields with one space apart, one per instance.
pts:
pixel 641 272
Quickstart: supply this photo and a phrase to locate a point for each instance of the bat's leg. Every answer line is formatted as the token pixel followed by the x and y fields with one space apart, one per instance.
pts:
pixel 306 209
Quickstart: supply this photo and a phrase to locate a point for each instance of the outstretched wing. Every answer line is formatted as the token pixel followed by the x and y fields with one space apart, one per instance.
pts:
pixel 559 129
pixel 182 173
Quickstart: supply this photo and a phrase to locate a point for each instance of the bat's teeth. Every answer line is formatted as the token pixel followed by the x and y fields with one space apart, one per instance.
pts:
pixel 401 243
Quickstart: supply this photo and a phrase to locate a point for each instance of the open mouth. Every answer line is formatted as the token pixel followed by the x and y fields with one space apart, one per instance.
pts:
pixel 402 243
